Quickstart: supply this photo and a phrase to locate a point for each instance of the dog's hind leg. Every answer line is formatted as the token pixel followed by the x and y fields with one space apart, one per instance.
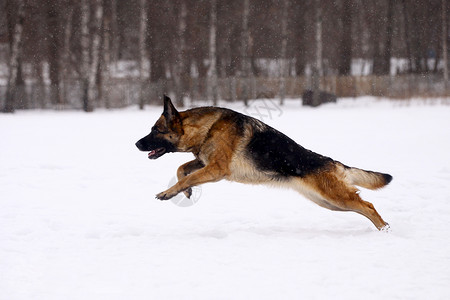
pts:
pixel 343 196
pixel 353 202
pixel 186 169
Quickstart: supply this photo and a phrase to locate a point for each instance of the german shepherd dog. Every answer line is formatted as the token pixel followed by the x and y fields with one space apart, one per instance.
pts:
pixel 229 145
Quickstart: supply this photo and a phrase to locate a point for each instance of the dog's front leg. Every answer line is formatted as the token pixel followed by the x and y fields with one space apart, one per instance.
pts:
pixel 210 173
pixel 187 169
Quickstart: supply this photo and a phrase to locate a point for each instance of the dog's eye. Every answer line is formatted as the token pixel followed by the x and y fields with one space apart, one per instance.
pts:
pixel 156 130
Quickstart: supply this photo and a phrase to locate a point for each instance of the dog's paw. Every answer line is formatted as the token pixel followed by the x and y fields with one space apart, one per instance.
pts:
pixel 164 195
pixel 386 228
pixel 188 193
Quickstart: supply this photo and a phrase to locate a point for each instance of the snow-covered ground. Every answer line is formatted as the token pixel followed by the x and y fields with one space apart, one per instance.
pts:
pixel 78 218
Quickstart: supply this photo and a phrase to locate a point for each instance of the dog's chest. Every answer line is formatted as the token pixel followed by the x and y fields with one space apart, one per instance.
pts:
pixel 243 170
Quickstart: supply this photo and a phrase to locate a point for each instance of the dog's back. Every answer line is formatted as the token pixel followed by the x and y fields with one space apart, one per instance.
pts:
pixel 277 156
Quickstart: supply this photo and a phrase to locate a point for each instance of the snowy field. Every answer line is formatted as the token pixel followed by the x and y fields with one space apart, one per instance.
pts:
pixel 78 218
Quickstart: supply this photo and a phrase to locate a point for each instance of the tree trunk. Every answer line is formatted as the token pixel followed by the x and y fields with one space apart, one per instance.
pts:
pixel 95 55
pixel 407 36
pixel 54 54
pixel 212 82
pixel 20 94
pixel 382 38
pixel 388 45
pixel 106 60
pixel 233 53
pixel 444 43
pixel 284 37
pixel 37 95
pixel 317 69
pixel 377 58
pixel 14 57
pixel 299 29
pixel 90 66
pixel 181 55
pixel 65 55
pixel 244 53
pixel 115 35
pixel 142 52
pixel 85 15
pixel 416 43
pixel 345 59
pixel 157 65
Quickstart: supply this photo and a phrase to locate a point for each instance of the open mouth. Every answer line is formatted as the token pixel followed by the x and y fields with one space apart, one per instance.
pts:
pixel 154 154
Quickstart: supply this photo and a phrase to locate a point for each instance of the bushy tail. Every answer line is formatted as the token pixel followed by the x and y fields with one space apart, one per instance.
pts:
pixel 367 179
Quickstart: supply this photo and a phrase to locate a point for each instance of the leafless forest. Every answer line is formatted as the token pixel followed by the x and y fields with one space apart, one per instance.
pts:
pixel 87 54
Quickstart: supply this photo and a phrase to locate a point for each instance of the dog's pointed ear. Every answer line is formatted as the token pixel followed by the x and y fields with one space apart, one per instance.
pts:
pixel 170 112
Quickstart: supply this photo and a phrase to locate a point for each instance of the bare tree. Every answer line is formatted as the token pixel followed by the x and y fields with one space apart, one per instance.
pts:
pixel 317 68
pixel 381 15
pixel 444 42
pixel 14 57
pixel 345 58
pixel 389 31
pixel 95 53
pixel 160 38
pixel 142 50
pixel 85 14
pixel 105 63
pixel 244 52
pixel 54 51
pixel 115 32
pixel 377 16
pixel 38 95
pixel 406 34
pixel 65 55
pixel 212 82
pixel 299 28
pixel 284 41
pixel 416 31
pixel 180 55
pixel 90 62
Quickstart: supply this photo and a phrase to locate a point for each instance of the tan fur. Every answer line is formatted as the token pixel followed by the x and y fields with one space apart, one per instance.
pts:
pixel 365 179
pixel 220 154
pixel 197 129
pixel 330 189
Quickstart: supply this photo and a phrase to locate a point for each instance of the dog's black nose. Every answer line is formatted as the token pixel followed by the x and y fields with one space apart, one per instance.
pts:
pixel 139 145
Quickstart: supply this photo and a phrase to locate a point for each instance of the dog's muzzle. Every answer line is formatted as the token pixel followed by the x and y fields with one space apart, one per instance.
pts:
pixel 140 146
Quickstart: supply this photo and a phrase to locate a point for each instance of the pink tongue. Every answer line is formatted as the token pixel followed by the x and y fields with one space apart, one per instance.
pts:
pixel 151 153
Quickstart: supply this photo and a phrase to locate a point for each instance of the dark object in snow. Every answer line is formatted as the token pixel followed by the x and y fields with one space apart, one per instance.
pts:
pixel 324 97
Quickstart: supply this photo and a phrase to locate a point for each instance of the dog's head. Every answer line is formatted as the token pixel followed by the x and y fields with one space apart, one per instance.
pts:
pixel 165 134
